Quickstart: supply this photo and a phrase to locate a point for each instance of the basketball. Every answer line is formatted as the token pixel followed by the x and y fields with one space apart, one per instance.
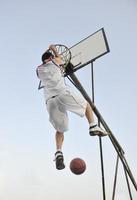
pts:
pixel 77 166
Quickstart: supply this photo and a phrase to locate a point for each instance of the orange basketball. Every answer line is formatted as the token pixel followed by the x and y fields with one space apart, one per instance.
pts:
pixel 77 166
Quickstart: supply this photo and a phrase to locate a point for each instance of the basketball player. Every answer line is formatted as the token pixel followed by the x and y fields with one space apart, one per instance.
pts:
pixel 59 99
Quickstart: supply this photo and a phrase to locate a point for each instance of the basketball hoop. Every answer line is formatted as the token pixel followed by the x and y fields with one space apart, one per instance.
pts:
pixel 65 54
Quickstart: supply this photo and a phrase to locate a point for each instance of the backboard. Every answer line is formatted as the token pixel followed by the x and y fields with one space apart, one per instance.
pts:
pixel 89 49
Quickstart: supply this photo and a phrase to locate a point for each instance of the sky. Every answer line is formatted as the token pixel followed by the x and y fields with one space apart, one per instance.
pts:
pixel 27 139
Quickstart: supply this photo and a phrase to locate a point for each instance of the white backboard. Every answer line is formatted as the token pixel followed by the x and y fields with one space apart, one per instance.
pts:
pixel 89 49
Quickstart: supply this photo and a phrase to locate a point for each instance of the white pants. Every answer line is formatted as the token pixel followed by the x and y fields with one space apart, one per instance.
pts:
pixel 58 106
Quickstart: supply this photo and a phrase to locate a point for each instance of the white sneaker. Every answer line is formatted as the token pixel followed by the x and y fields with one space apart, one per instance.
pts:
pixel 96 130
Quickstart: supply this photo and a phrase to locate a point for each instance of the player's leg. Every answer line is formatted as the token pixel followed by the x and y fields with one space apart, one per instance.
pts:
pixel 59 140
pixel 76 103
pixel 59 137
pixel 89 114
pixel 94 129
pixel 59 119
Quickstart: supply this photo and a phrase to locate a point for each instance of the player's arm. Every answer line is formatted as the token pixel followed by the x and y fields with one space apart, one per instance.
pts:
pixel 56 54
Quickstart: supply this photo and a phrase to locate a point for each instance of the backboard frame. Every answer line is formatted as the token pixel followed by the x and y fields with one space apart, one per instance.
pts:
pixel 78 66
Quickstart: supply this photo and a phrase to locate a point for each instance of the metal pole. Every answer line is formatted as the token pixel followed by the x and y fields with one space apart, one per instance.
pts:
pixel 114 141
pixel 102 168
pixel 100 140
pixel 129 190
pixel 92 80
pixel 115 179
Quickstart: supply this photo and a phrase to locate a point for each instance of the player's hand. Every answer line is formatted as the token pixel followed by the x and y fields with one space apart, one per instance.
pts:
pixel 52 47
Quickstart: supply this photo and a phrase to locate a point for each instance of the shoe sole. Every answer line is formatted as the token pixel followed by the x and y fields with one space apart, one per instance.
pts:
pixel 98 133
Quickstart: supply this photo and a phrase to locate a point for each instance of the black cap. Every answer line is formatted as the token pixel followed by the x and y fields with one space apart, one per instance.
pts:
pixel 46 55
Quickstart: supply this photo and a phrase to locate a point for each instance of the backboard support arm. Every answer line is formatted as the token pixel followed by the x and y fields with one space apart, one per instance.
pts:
pixel 111 136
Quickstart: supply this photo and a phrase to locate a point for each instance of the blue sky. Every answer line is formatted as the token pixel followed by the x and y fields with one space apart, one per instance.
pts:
pixel 27 142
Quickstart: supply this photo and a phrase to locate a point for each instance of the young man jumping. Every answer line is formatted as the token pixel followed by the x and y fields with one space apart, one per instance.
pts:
pixel 59 99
